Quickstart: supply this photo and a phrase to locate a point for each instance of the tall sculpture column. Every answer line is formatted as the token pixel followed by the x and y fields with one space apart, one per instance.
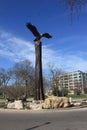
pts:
pixel 39 92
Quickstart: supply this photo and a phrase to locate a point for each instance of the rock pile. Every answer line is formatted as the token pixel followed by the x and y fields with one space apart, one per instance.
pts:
pixel 53 102
pixel 17 104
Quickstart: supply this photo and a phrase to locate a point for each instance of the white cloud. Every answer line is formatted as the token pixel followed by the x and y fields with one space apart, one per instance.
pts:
pixel 68 61
pixel 75 62
pixel 17 49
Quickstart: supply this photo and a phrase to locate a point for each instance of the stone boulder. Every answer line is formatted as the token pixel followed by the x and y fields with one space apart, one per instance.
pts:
pixel 17 104
pixel 36 105
pixel 53 102
pixel 10 105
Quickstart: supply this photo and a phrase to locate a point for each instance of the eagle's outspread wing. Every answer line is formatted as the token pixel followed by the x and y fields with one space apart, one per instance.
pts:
pixel 33 29
pixel 35 32
pixel 47 35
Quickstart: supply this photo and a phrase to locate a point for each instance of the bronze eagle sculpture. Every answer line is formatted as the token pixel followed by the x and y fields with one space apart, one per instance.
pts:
pixel 35 32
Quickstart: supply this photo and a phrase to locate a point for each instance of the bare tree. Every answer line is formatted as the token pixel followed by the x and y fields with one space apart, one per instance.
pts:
pixel 55 73
pixel 18 81
pixel 24 76
pixel 4 77
pixel 74 6
pixel 14 92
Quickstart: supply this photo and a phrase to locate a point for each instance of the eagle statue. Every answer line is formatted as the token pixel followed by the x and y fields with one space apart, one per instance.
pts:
pixel 35 32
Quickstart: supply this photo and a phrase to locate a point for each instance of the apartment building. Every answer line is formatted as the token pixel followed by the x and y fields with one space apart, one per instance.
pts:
pixel 72 80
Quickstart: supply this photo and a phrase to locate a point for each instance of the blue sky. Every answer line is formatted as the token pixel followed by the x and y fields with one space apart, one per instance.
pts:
pixel 66 50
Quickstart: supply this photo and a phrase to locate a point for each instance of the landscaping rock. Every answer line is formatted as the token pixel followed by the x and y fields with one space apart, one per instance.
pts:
pixel 11 105
pixel 17 104
pixel 35 106
pixel 55 102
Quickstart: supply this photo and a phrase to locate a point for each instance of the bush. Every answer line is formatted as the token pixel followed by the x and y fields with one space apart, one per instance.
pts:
pixel 57 92
pixel 77 92
pixel 2 105
pixel 65 91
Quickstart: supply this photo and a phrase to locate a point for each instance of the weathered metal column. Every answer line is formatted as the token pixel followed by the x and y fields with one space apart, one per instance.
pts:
pixel 39 92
